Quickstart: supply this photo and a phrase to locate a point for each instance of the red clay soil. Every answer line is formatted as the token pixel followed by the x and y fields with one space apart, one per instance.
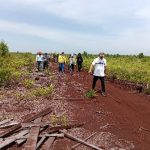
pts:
pixel 117 117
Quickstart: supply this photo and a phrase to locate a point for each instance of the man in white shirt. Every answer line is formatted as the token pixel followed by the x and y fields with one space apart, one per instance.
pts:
pixel 39 60
pixel 99 65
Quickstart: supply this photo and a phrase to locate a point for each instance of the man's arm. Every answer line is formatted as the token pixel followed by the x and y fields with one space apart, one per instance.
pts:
pixel 105 70
pixel 36 58
pixel 91 69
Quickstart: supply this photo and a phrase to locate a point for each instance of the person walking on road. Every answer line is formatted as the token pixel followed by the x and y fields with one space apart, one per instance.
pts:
pixel 61 61
pixel 79 62
pixel 39 60
pixel 99 65
pixel 71 63
pixel 46 61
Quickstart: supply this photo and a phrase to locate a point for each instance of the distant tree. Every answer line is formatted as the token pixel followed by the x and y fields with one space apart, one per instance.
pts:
pixel 4 51
pixel 85 53
pixel 140 55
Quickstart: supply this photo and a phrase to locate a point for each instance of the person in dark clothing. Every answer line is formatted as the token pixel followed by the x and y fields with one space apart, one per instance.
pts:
pixel 46 61
pixel 79 62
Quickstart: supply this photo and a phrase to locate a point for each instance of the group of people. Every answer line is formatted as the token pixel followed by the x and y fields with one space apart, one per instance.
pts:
pixel 42 61
pixel 97 68
pixel 72 61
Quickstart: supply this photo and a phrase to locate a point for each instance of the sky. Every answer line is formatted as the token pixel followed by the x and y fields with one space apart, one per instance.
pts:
pixel 72 26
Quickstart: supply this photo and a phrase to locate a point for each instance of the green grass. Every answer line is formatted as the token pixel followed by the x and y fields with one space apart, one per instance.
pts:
pixel 10 67
pixel 43 91
pixel 90 94
pixel 129 68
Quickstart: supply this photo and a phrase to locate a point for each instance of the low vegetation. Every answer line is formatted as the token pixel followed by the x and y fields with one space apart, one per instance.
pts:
pixel 131 68
pixel 91 94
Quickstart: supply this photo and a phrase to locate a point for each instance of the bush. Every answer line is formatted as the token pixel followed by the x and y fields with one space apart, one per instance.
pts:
pixel 140 55
pixel 91 94
pixel 28 83
pixel 5 76
pixel 147 91
pixel 4 51
pixel 43 91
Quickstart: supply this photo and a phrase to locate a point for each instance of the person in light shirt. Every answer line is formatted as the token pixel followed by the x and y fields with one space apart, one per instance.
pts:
pixel 99 66
pixel 39 60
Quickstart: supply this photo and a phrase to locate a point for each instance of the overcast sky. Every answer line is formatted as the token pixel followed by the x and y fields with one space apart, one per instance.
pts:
pixel 113 26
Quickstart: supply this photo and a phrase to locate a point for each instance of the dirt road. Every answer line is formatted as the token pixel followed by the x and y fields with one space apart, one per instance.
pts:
pixel 121 120
pixel 118 119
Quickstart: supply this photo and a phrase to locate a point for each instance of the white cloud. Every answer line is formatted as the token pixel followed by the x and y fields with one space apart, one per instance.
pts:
pixel 58 35
pixel 128 40
pixel 81 11
pixel 125 23
pixel 143 13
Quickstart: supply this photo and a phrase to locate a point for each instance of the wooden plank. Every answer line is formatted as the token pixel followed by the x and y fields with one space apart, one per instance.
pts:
pixel 11 139
pixel 5 121
pixel 24 138
pixel 33 136
pixel 80 141
pixel 47 145
pixel 15 127
pixel 10 124
pixel 57 128
pixel 55 135
pixel 30 124
pixel 75 146
pixel 40 142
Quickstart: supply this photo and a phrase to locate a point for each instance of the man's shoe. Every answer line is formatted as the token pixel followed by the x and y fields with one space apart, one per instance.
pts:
pixel 103 94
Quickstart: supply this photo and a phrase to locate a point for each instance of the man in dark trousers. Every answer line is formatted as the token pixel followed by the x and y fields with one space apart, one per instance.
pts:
pixel 99 65
pixel 79 62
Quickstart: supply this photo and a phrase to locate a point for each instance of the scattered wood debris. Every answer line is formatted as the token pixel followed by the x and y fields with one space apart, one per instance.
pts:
pixel 34 134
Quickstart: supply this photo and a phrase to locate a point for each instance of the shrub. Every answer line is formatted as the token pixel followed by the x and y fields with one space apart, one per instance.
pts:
pixel 4 51
pixel 43 91
pixel 28 83
pixel 91 94
pixel 5 76
pixel 61 120
pixel 140 55
pixel 147 91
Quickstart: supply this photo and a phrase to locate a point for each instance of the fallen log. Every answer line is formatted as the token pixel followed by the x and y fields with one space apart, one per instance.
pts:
pixel 79 140
pixel 75 146
pixel 15 127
